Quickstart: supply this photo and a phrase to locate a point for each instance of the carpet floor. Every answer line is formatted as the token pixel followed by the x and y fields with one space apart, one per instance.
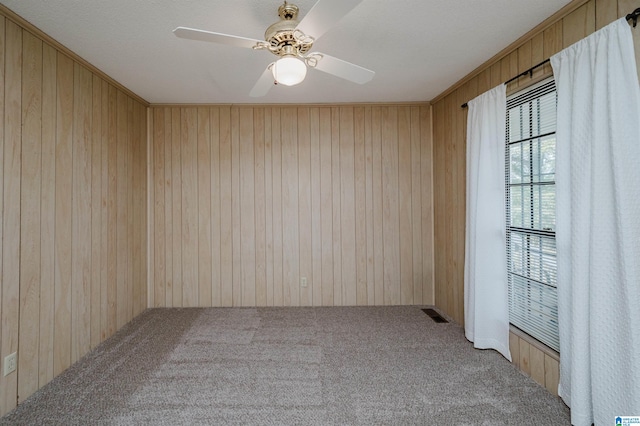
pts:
pixel 282 366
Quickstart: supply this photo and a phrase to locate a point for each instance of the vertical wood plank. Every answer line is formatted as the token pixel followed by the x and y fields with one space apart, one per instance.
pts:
pixel 146 274
pixel 552 43
pixel 347 207
pixel 268 196
pixel 130 243
pixel 377 175
pixel 96 209
pixel 537 54
pixel 139 212
pixel 226 236
pixel 177 200
pixel 122 230
pixel 524 62
pixel 578 24
pixel 484 83
pixel 290 215
pixel 216 210
pixel 152 208
pixel 368 179
pixel 30 249
pixel 405 206
pixel 260 207
pixel 439 207
pixel 64 133
pixel 246 195
pixel 104 226
pixel 189 213
pixel 316 207
pixel 426 168
pixel 204 208
pixel 514 348
pixel 168 206
pixel 607 12
pixel 449 201
pixel 525 357
pixel 112 213
pixel 551 374
pixel 326 208
pixel 3 349
pixel 236 215
pixel 278 277
pixel 460 167
pixel 47 211
pixel 416 205
pixel 159 207
pixel 390 206
pixel 304 205
pixel 537 364
pixel 337 228
pixel 360 206
pixel 144 212
pixel 11 213
pixel 496 75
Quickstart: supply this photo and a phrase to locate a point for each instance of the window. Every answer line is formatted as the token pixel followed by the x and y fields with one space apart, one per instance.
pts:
pixel 530 210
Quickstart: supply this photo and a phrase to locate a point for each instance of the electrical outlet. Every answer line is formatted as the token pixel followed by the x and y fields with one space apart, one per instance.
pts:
pixel 10 362
pixel 303 281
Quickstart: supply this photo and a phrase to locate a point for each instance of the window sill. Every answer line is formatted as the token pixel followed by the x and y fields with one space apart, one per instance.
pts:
pixel 535 343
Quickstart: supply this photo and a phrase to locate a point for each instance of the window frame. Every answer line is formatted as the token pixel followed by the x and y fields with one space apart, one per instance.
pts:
pixel 532 301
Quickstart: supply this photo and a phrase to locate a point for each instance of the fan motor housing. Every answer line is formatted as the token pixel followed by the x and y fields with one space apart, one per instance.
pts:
pixel 282 35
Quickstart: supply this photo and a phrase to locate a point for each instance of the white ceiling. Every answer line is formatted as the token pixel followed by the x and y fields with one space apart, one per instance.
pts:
pixel 418 48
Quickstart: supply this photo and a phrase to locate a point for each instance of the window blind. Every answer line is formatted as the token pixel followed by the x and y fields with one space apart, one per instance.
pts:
pixel 530 209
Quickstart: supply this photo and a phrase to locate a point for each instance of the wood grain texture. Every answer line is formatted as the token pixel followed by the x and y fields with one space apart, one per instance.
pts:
pixel 299 204
pixel 551 374
pixel 315 195
pixel 59 169
pixel 304 205
pixel 47 212
pixel 536 357
pixel 64 181
pixel 203 209
pixel 81 215
pixel 11 202
pixel 4 386
pixel 30 250
pixel 188 142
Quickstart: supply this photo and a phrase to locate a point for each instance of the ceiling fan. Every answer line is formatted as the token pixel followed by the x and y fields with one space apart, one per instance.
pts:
pixel 292 41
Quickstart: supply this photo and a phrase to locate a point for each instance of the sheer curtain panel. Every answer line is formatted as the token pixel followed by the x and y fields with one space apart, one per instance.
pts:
pixel 598 229
pixel 486 307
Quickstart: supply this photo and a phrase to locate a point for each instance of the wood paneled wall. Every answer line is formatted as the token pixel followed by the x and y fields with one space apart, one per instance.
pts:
pixel 537 361
pixel 576 21
pixel 73 202
pixel 247 200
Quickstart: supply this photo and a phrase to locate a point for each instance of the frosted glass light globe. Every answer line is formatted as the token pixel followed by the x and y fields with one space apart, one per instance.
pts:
pixel 289 70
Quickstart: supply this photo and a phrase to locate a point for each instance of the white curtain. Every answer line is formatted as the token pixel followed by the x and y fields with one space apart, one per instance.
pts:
pixel 598 226
pixel 486 308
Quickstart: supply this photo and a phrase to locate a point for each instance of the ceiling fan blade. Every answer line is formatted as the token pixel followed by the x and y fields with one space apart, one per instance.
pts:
pixel 343 69
pixel 201 35
pixel 325 14
pixel 263 84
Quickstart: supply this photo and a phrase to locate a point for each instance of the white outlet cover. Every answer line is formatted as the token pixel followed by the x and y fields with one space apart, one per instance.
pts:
pixel 10 362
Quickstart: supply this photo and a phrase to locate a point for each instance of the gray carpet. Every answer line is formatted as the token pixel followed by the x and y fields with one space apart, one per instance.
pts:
pixel 275 366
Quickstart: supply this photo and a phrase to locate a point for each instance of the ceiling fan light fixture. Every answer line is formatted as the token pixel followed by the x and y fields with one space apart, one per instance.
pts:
pixel 289 70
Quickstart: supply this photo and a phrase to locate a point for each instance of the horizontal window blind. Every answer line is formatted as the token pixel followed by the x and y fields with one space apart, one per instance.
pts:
pixel 530 209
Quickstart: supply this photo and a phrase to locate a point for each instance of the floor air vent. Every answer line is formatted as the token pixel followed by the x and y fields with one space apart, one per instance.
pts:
pixel 434 315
